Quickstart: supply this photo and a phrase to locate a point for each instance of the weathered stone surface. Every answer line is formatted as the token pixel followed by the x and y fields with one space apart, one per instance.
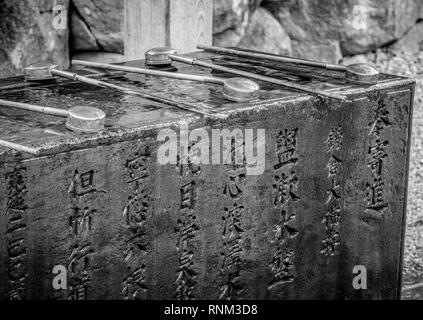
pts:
pixel 412 42
pixel 28 35
pixel 264 33
pixel 126 227
pixel 105 20
pixel 230 21
pixel 99 56
pixel 359 27
pixel 81 36
pixel 403 63
pixel 411 65
pixel 254 4
pixel 413 256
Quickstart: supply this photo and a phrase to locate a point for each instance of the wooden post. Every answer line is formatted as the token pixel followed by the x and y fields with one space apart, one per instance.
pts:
pixel 180 24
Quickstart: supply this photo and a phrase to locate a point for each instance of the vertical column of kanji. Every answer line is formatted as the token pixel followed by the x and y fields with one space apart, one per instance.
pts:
pixel 286 195
pixel 83 195
pixel 376 157
pixel 232 228
pixel 188 228
pixel 137 213
pixel 16 228
pixel 331 240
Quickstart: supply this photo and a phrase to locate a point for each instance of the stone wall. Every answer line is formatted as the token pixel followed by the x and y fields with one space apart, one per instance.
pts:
pixel 27 35
pixel 328 30
pixel 385 33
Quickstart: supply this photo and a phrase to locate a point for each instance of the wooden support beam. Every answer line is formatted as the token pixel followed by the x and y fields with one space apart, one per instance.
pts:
pixel 191 23
pixel 180 24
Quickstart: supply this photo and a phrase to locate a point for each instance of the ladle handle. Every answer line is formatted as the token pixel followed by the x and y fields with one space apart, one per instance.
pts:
pixel 182 105
pixel 77 77
pixel 257 77
pixel 277 58
pixel 31 107
pixel 158 73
